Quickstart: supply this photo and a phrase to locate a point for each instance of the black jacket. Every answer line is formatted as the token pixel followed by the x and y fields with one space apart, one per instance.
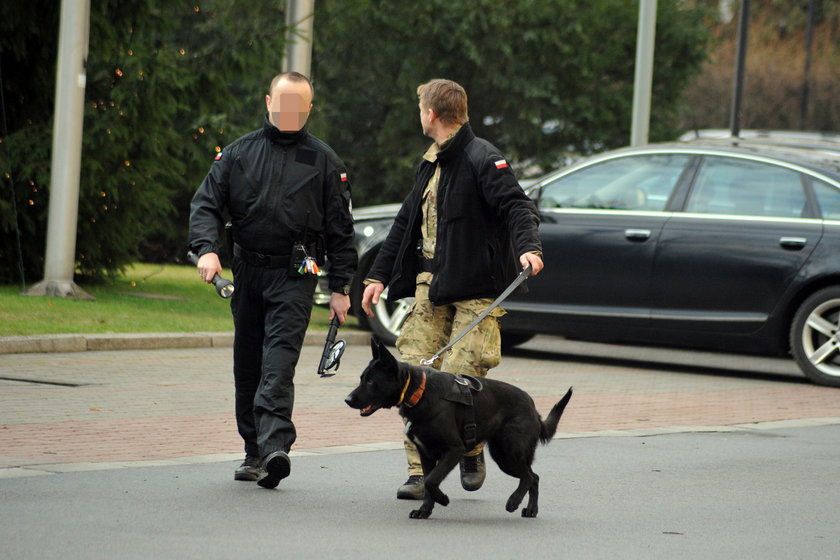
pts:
pixel 485 221
pixel 279 188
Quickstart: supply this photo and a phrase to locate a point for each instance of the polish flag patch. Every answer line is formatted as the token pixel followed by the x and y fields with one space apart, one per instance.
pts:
pixel 343 177
pixel 501 164
pixel 218 156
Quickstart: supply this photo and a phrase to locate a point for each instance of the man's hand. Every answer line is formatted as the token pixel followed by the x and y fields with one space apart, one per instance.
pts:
pixel 535 261
pixel 339 306
pixel 208 266
pixel 371 296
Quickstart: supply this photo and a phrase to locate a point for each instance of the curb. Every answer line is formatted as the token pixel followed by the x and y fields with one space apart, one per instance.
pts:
pixel 145 341
pixel 59 468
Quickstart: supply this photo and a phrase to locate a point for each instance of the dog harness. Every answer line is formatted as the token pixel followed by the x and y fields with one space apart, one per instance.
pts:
pixel 461 392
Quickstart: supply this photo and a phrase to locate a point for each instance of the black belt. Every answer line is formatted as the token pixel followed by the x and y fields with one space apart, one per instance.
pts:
pixel 258 259
pixel 424 264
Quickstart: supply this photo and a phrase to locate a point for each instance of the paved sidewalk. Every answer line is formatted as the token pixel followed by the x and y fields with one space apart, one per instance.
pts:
pixel 71 411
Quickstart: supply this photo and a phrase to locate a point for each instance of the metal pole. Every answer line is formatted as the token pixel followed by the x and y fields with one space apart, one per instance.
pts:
pixel 60 260
pixel 300 16
pixel 806 75
pixel 643 81
pixel 740 58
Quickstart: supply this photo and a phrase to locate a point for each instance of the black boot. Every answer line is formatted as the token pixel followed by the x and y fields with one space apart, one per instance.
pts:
pixel 250 469
pixel 413 489
pixel 473 471
pixel 277 466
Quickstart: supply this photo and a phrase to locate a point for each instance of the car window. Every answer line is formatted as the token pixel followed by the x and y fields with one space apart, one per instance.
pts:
pixel 640 182
pixel 828 197
pixel 743 187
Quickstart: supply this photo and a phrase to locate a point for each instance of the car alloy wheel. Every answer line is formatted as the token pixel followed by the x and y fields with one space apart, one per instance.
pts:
pixel 388 317
pixel 815 337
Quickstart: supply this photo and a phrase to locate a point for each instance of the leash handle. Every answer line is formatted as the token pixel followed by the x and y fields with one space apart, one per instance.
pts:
pixel 325 355
pixel 331 356
pixel 526 272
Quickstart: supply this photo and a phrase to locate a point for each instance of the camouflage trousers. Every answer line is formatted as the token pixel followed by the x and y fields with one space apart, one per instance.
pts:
pixel 429 328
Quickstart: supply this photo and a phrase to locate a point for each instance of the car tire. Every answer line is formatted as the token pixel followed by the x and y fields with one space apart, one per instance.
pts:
pixel 388 317
pixel 510 340
pixel 815 337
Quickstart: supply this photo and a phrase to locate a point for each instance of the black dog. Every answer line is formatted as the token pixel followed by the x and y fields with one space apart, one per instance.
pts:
pixel 448 414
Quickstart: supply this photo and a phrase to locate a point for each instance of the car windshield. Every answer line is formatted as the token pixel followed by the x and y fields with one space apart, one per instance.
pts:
pixel 639 182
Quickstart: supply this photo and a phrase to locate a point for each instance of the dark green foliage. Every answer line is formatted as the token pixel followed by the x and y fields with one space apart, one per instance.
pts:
pixel 544 77
pixel 167 83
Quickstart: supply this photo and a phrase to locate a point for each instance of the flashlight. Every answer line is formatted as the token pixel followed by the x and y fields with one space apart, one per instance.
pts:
pixel 224 287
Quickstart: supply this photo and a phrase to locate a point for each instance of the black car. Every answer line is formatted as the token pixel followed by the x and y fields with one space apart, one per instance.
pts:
pixel 711 243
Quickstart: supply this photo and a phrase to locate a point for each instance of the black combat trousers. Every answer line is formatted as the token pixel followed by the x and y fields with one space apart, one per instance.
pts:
pixel 271 309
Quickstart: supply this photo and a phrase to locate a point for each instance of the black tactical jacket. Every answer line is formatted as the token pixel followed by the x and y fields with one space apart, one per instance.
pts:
pixel 279 189
pixel 485 221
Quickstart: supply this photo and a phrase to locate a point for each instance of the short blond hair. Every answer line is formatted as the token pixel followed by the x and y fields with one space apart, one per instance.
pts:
pixel 446 98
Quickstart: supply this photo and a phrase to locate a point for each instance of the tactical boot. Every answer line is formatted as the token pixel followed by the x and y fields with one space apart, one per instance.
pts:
pixel 249 470
pixel 277 466
pixel 473 471
pixel 413 489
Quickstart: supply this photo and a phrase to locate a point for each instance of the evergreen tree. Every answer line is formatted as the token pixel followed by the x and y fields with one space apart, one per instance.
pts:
pixel 168 84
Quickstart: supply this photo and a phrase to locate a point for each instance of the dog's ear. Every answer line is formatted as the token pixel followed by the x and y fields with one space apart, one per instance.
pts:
pixel 374 347
pixel 384 355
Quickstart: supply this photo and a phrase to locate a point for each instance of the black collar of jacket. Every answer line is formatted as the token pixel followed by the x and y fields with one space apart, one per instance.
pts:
pixel 456 146
pixel 284 138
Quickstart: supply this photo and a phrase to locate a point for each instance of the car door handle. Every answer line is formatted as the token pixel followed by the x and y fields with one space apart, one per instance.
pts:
pixel 793 243
pixel 637 234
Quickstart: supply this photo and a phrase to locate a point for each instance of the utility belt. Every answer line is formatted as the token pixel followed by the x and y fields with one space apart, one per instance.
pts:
pixel 423 264
pixel 259 259
pixel 302 259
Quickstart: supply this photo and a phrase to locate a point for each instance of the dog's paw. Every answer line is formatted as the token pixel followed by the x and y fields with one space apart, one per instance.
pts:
pixel 420 514
pixel 440 497
pixel 529 512
pixel 513 503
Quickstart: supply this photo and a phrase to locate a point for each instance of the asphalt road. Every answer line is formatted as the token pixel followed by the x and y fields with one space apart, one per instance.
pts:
pixel 740 495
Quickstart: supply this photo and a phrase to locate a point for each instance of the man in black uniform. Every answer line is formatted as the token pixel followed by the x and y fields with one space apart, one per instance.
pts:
pixel 288 197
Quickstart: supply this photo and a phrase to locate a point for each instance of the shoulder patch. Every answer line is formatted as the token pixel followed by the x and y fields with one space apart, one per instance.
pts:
pixel 218 156
pixel 501 164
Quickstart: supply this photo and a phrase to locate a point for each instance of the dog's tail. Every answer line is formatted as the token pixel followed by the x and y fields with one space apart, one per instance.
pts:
pixel 549 425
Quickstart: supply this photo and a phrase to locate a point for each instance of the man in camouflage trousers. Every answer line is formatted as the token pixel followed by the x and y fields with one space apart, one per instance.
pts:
pixel 454 247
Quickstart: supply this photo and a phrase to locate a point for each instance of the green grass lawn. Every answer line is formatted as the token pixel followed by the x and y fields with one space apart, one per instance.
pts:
pixel 148 298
